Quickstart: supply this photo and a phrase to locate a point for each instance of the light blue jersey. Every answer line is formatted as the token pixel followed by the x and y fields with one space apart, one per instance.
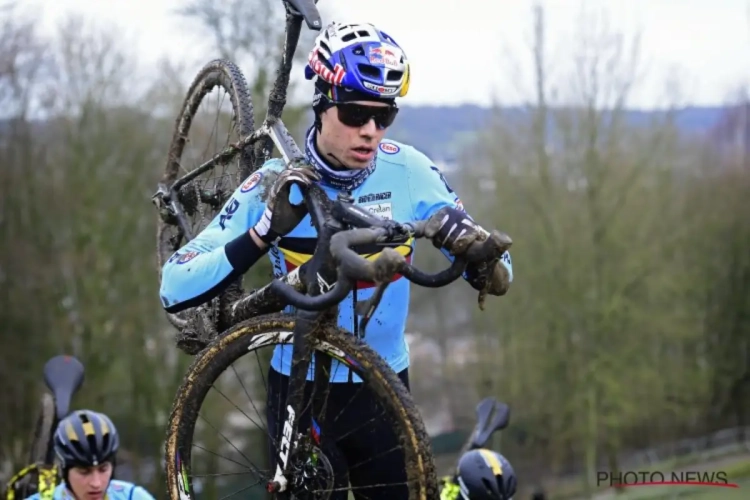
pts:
pixel 404 185
pixel 117 490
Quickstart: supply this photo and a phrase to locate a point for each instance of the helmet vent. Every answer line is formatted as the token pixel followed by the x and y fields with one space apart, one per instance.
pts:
pixel 488 486
pixel 78 447
pixel 105 441
pixel 367 70
pixel 394 75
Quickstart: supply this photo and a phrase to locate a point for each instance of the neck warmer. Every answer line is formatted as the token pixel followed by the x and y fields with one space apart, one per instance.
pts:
pixel 346 179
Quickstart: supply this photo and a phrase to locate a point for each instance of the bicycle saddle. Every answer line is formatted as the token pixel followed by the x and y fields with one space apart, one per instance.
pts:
pixel 308 11
pixel 492 415
pixel 63 375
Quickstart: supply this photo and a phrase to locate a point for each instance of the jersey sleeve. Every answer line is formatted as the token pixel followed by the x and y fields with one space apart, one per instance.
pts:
pixel 429 192
pixel 204 267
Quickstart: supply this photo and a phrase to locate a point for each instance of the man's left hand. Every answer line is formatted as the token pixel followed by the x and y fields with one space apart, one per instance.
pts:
pixel 452 230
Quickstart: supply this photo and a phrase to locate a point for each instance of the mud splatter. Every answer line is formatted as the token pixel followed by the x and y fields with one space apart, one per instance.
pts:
pixel 269 177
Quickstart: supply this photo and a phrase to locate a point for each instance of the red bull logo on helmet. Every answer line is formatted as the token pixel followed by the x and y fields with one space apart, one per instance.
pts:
pixel 384 55
pixel 333 77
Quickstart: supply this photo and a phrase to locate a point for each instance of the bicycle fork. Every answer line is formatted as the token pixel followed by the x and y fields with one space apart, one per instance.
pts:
pixel 290 437
pixel 279 481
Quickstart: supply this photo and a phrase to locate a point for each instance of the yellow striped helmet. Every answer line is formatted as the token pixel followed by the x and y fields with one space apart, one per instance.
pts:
pixel 486 475
pixel 86 438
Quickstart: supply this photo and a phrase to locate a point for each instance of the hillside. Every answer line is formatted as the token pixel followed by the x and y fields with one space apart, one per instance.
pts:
pixel 438 130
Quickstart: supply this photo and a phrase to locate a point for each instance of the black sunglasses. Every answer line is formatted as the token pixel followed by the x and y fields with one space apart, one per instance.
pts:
pixel 359 115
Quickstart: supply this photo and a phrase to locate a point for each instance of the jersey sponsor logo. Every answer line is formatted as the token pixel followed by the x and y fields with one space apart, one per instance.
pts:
pixel 368 198
pixel 251 182
pixel 442 178
pixel 384 210
pixel 229 212
pixel 187 257
pixel 388 148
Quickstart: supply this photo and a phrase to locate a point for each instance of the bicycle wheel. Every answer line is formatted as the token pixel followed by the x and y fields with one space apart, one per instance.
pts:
pixel 272 330
pixel 41 444
pixel 202 198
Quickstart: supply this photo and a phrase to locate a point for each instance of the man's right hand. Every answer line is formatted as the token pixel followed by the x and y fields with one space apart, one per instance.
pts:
pixel 280 215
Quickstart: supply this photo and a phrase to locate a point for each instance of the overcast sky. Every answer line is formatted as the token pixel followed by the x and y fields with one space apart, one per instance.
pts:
pixel 457 47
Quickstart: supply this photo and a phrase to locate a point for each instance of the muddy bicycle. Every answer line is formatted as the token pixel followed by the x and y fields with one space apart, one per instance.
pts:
pixel 236 324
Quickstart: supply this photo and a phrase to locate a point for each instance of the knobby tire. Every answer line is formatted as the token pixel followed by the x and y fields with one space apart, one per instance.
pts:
pixel 229 77
pixel 224 350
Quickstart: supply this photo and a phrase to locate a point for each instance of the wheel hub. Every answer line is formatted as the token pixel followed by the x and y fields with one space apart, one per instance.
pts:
pixel 310 476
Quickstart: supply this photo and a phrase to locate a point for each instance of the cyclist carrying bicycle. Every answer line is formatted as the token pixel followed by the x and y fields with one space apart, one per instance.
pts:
pixel 481 474
pixel 86 444
pixel 359 71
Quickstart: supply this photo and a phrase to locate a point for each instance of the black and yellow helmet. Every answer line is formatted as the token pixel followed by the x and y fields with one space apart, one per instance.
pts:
pixel 486 475
pixel 86 438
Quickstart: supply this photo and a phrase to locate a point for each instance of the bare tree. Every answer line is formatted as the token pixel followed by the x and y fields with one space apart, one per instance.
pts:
pixel 578 187
pixel 23 267
pixel 251 34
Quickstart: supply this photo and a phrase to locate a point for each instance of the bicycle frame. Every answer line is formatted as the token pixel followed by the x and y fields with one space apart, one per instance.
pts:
pixel 272 131
pixel 313 276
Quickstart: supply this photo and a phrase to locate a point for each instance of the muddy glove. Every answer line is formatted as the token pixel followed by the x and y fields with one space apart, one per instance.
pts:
pixel 493 277
pixel 280 215
pixel 453 230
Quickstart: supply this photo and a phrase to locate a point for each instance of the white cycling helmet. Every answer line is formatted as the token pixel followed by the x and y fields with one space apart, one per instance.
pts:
pixel 361 59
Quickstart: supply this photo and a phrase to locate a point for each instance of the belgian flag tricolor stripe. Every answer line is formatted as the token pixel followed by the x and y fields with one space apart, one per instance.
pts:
pixel 297 251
